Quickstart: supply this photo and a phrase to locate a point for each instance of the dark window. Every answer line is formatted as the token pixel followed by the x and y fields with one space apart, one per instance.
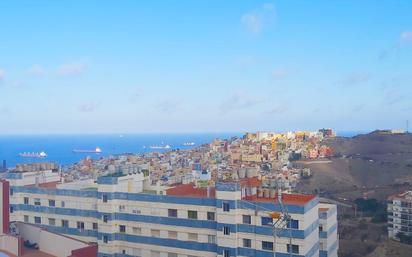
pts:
pixel 320 228
pixel 105 239
pixel 293 249
pixel 26 218
pixel 26 200
pixel 52 203
pixel 95 226
pixel 266 221
pixel 172 213
pixel 11 209
pixel 226 230
pixel 247 219
pixel 267 245
pixel 105 198
pixel 226 207
pixel 210 215
pixel 63 204
pixel 247 243
pixel 105 218
pixel 37 220
pixel 122 228
pixel 11 191
pixel 192 215
pixel 37 201
pixel 52 222
pixel 65 223
pixel 293 224
pixel 80 225
pixel 226 253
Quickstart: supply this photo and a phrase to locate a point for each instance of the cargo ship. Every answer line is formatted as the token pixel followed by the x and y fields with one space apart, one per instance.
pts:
pixel 97 150
pixel 33 155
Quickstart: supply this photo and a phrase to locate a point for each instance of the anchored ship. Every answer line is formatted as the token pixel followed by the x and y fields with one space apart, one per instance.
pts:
pixel 189 143
pixel 97 150
pixel 33 155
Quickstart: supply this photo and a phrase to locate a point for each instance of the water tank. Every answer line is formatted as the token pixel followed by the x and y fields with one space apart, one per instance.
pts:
pixel 242 173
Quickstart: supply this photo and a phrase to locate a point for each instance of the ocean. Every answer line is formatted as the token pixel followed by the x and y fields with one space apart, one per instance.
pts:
pixel 59 148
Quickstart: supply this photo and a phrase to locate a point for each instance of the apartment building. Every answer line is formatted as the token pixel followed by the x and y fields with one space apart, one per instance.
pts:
pixel 126 219
pixel 400 214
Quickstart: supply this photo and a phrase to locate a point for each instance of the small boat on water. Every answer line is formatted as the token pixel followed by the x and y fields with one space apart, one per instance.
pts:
pixel 160 147
pixel 33 154
pixel 97 150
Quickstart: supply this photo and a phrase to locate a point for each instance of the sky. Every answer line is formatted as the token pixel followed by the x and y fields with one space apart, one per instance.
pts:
pixel 204 66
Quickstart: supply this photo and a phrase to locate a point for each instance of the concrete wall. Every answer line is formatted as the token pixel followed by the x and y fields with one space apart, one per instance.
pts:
pixel 62 246
pixel 10 244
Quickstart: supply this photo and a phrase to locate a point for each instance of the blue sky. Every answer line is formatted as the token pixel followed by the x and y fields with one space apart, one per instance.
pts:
pixel 203 66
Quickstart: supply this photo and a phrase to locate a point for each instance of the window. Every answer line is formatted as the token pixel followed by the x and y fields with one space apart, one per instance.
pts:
pixel 95 226
pixel 247 243
pixel 137 230
pixel 247 219
pixel 37 201
pixel 293 249
pixel 192 215
pixel 267 245
pixel 11 209
pixel 172 213
pixel 172 234
pixel 226 253
pixel 293 224
pixel 52 222
pixel 122 208
pixel 105 218
pixel 226 230
pixel 171 254
pixel 26 200
pixel 211 239
pixel 122 228
pixel 80 225
pixel 210 215
pixel 155 233
pixel 267 221
pixel 65 223
pixel 52 203
pixel 226 207
pixel 105 239
pixel 26 218
pixel 192 237
pixel 37 220
pixel 320 228
pixel 63 204
pixel 11 191
pixel 105 198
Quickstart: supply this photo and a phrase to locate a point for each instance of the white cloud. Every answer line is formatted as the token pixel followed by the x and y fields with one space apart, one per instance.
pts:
pixel 239 100
pixel 87 107
pixel 68 69
pixel 254 21
pixel 355 78
pixel 280 73
pixel 2 74
pixel 36 70
pixel 406 36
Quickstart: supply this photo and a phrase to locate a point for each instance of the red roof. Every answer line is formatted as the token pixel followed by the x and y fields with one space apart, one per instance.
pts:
pixel 47 185
pixel 291 199
pixel 190 190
